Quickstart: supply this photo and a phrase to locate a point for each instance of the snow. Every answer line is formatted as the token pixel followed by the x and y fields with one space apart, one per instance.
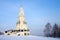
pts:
pixel 2 37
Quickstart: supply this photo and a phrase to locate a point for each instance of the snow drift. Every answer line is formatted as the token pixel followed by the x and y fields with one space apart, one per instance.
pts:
pixel 2 37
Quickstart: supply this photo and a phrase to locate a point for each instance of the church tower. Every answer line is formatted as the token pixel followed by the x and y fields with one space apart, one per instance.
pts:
pixel 21 23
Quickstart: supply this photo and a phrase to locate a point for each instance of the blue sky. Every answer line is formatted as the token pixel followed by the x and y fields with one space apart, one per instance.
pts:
pixel 37 13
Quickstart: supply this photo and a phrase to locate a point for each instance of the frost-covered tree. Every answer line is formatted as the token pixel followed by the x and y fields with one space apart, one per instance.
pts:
pixel 47 30
pixel 55 30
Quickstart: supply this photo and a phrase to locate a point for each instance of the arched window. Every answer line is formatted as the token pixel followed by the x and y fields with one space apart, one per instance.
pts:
pixel 24 33
pixel 25 30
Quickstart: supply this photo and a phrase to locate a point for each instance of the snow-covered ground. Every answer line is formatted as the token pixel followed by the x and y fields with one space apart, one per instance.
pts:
pixel 26 38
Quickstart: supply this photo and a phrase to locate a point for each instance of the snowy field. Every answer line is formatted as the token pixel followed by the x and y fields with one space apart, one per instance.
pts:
pixel 26 38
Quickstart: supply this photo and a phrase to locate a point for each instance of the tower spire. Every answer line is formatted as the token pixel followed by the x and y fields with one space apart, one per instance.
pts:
pixel 21 11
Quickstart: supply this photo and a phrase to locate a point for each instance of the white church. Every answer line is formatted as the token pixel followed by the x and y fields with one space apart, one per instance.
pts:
pixel 21 26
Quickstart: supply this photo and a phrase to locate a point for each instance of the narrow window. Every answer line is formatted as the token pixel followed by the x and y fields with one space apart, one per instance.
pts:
pixel 24 33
